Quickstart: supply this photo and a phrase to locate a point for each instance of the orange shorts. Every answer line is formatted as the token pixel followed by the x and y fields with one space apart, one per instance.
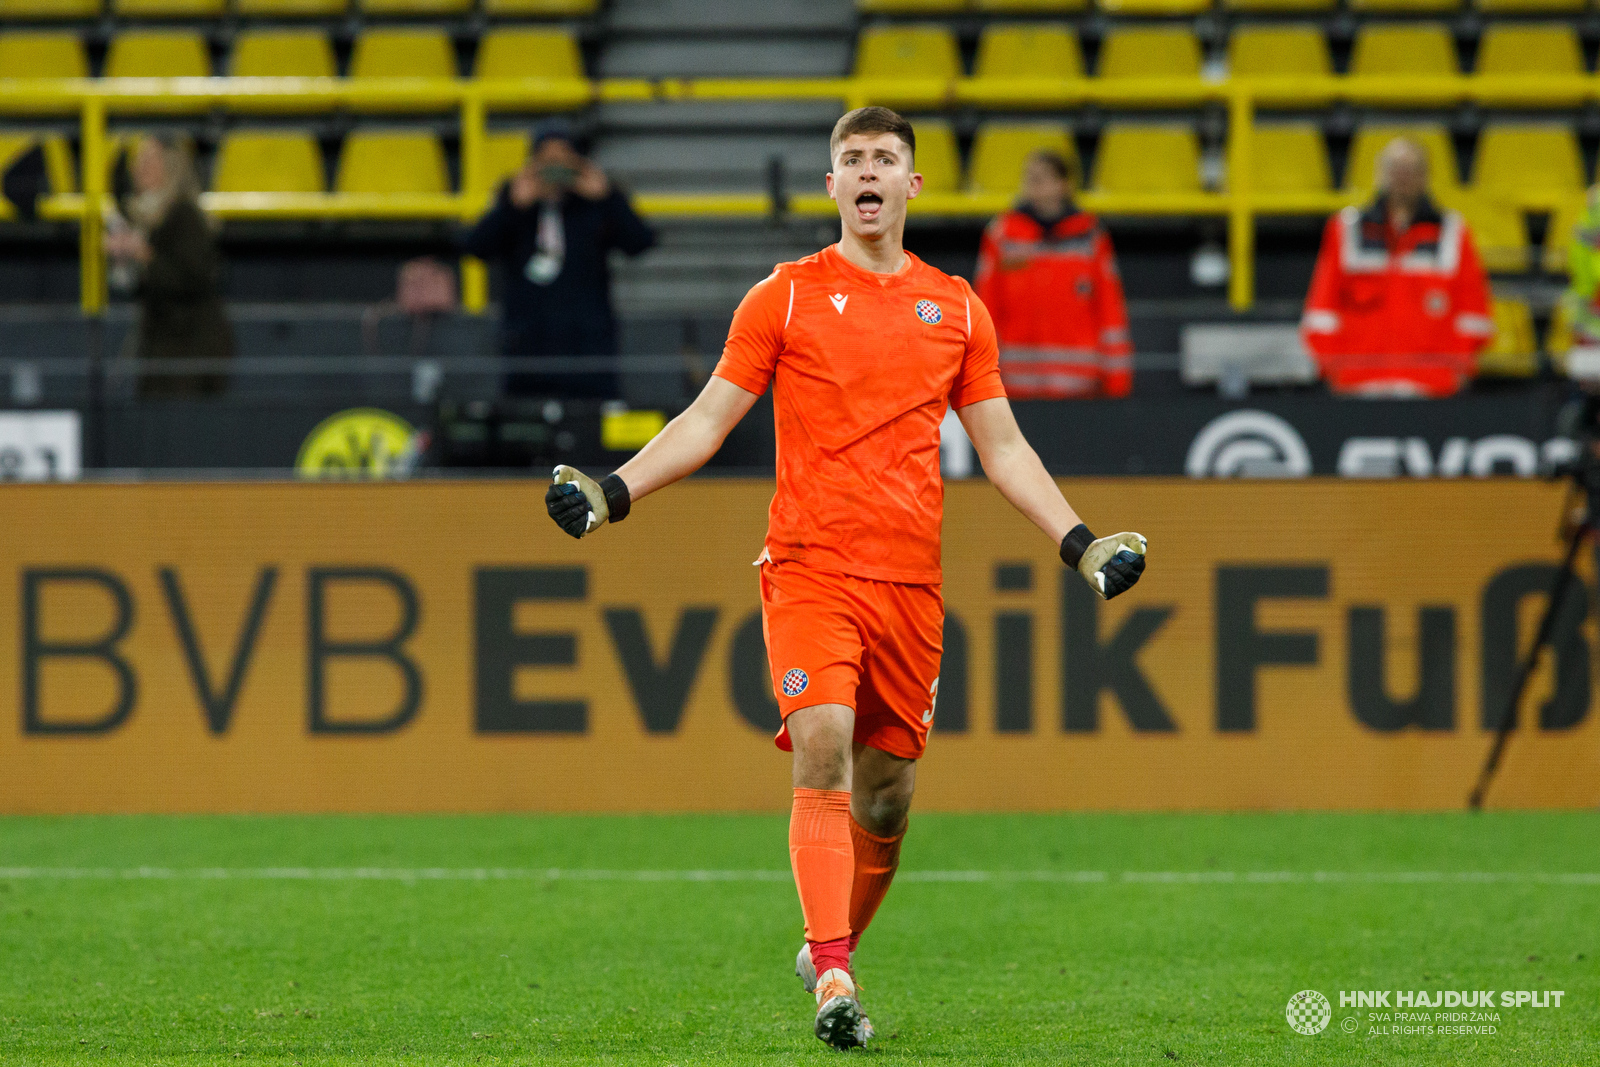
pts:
pixel 871 646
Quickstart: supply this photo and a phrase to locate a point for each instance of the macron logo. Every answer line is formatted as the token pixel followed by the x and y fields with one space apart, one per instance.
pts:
pixel 838 301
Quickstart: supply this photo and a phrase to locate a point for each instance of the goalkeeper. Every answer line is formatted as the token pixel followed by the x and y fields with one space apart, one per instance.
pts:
pixel 865 347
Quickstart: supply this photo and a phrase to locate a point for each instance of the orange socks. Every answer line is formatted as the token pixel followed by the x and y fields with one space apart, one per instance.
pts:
pixel 823 860
pixel 876 859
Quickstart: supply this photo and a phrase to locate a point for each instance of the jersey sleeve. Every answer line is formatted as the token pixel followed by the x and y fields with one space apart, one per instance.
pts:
pixel 756 337
pixel 980 368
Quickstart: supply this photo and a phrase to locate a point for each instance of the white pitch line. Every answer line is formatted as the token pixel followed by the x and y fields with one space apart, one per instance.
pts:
pixel 551 874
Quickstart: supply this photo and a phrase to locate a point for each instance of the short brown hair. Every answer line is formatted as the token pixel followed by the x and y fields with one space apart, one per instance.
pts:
pixel 1065 167
pixel 872 120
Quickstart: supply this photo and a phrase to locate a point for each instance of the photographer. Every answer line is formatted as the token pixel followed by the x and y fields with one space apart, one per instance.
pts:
pixel 550 230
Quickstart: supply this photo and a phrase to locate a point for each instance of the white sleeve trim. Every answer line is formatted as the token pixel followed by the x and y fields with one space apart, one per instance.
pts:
pixel 790 313
pixel 1319 321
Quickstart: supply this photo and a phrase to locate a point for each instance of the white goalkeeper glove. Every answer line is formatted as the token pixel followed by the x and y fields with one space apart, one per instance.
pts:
pixel 1110 565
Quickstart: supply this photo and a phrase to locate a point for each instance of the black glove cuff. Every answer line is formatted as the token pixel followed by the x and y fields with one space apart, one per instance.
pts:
pixel 618 502
pixel 1075 544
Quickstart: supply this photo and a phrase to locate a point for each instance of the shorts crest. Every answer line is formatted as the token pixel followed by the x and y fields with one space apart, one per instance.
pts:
pixel 795 682
pixel 929 312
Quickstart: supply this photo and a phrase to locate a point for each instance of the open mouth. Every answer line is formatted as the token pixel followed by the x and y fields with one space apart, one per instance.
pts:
pixel 868 204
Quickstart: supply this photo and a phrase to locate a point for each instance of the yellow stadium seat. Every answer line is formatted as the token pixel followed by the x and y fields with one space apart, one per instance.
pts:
pixel 938 160
pixel 1416 48
pixel 1028 51
pixel 418 53
pixel 282 54
pixel 380 161
pixel 1530 7
pixel 1147 159
pixel 1530 48
pixel 1278 51
pixel 504 153
pixel 1290 158
pixel 268 161
pixel 42 55
pixel 1282 51
pixel 1030 7
pixel 149 54
pixel 1513 351
pixel 1519 50
pixel 528 54
pixel 291 8
pixel 1150 52
pixel 1369 141
pixel 408 53
pixel 48 9
pixel 416 7
pixel 911 7
pixel 909 52
pixel 545 8
pixel 1528 164
pixel 169 9
pixel 1404 7
pixel 153 54
pixel 1155 8
pixel 1279 6
pixel 1499 231
pixel 1000 149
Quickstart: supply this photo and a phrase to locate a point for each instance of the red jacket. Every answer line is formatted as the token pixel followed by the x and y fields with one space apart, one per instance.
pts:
pixel 1057 305
pixel 1391 311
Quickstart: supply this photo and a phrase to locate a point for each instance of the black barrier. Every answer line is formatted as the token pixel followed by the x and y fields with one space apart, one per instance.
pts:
pixel 270 407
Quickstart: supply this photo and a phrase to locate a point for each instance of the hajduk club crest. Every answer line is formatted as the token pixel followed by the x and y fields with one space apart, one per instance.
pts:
pixel 929 312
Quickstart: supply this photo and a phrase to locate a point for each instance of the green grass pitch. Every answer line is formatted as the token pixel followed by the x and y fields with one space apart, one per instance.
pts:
pixel 1072 939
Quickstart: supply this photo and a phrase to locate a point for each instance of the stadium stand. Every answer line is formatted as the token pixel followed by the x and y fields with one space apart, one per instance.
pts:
pixel 756 87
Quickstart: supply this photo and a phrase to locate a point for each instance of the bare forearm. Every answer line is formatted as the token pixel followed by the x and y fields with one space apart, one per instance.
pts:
pixel 679 450
pixel 1021 478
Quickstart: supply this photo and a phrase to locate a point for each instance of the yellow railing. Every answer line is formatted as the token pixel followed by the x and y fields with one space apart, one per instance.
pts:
pixel 95 99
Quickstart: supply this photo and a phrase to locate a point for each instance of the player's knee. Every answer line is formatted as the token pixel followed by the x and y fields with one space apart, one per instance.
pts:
pixel 821 764
pixel 885 807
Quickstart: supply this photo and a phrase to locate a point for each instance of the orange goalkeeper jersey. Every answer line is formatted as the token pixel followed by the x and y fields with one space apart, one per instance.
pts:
pixel 863 367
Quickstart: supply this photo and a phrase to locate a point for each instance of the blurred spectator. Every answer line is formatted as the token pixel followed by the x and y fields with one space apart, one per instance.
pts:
pixel 164 248
pixel 1399 303
pixel 1048 276
pixel 1583 264
pixel 550 230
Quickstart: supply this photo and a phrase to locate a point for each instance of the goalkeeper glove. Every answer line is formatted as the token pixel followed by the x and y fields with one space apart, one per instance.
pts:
pixel 1110 565
pixel 580 505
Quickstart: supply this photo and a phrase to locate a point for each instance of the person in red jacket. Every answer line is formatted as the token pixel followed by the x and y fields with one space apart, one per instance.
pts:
pixel 1399 303
pixel 1048 276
